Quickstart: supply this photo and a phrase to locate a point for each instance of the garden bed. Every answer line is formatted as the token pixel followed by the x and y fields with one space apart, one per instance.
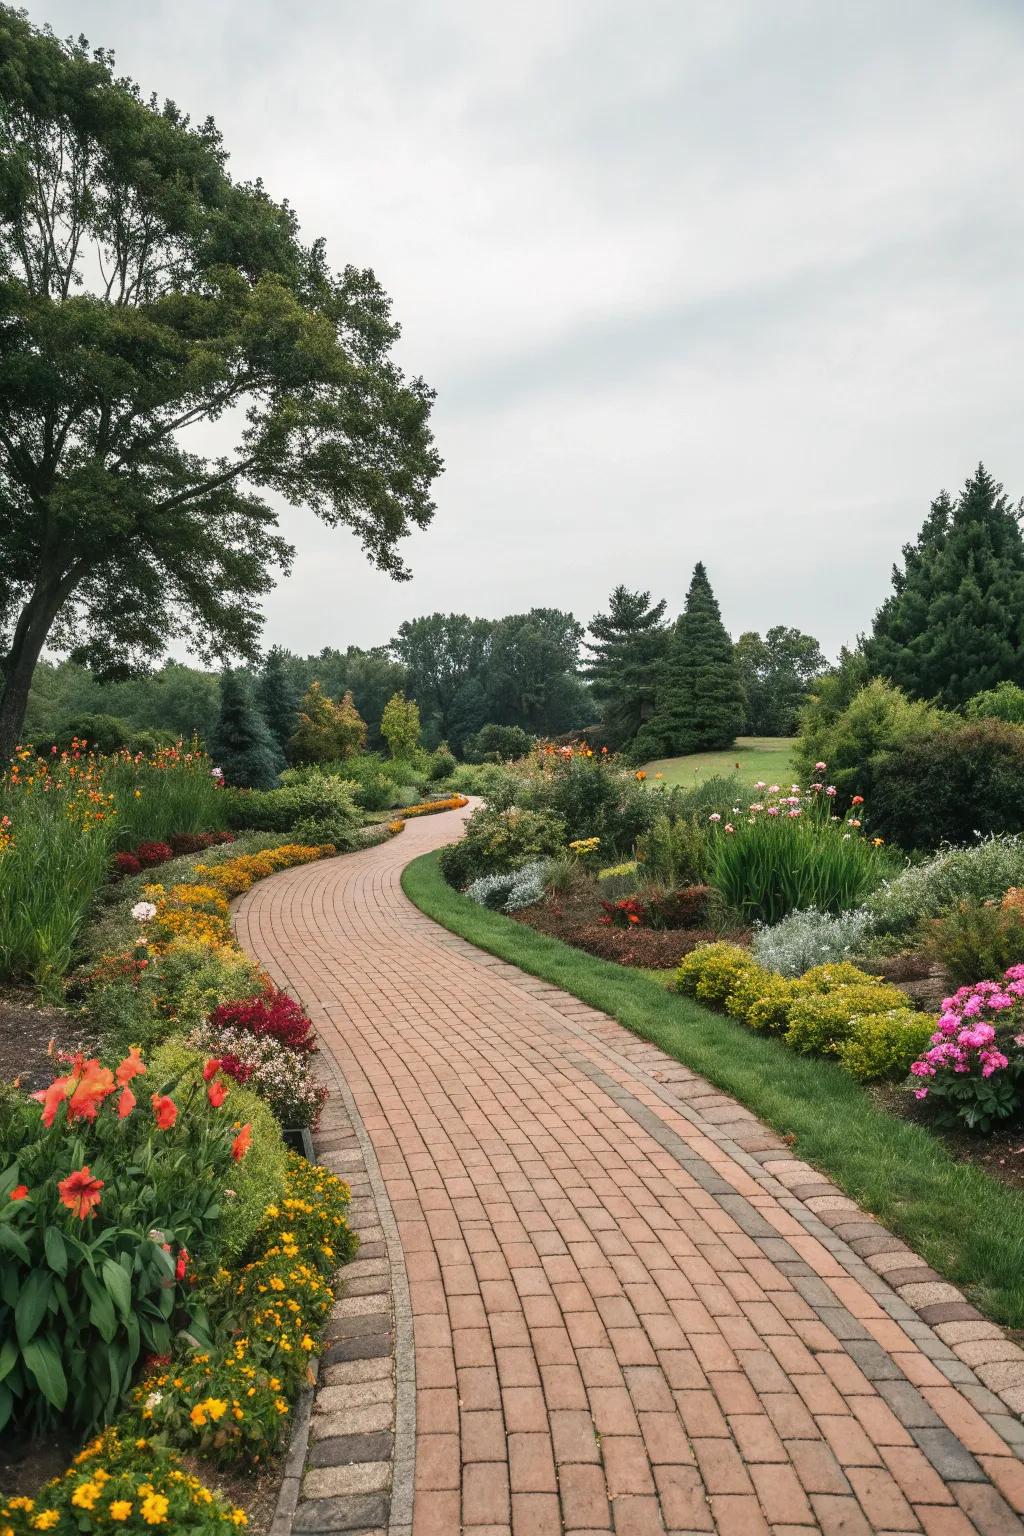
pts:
pixel 576 919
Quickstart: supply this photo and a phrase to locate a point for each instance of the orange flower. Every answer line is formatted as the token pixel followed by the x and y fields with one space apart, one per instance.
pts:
pixel 19 1191
pixel 52 1098
pixel 125 1103
pixel 132 1066
pixel 641 775
pixel 857 800
pixel 80 1192
pixel 165 1111
pixel 94 1085
pixel 240 1145
pixel 211 1069
pixel 217 1093
pixel 633 917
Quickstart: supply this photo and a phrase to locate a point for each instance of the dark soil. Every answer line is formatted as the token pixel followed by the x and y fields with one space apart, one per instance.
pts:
pixel 575 918
pixel 1000 1153
pixel 25 1467
pixel 27 1029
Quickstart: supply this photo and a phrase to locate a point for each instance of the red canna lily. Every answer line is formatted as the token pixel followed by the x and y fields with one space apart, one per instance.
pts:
pixel 165 1111
pixel 132 1066
pixel 182 1264
pixel 211 1069
pixel 125 1103
pixel 217 1093
pixel 80 1192
pixel 52 1098
pixel 240 1145
pixel 19 1192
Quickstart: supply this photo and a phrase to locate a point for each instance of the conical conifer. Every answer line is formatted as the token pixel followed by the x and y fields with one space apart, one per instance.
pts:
pixel 699 702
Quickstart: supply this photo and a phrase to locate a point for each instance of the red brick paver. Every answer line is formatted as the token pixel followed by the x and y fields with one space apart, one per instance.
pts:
pixel 643 1334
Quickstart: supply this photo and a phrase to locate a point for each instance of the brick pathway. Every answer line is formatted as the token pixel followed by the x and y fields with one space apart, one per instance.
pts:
pixel 623 1320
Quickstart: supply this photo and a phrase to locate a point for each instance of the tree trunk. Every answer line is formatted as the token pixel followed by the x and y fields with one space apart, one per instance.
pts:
pixel 30 632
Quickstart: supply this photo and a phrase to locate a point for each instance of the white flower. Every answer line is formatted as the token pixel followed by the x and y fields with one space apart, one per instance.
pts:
pixel 143 911
pixel 153 1399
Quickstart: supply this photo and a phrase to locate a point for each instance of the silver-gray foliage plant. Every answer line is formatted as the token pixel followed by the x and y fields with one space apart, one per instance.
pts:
pixel 512 892
pixel 809 937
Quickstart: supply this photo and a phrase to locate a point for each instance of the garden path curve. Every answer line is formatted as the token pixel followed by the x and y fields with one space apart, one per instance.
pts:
pixel 618 1303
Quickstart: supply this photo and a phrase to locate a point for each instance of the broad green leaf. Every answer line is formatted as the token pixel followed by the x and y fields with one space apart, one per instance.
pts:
pixel 30 1310
pixel 42 1359
pixel 8 1357
pixel 10 1240
pixel 6 1403
pixel 56 1251
pixel 119 1287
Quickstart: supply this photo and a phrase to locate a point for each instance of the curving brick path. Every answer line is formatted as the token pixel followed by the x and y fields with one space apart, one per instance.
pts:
pixel 627 1316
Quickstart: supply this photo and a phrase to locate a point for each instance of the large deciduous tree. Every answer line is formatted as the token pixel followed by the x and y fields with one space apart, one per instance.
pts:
pixel 954 624
pixel 443 653
pixel 144 294
pixel 776 671
pixel 626 652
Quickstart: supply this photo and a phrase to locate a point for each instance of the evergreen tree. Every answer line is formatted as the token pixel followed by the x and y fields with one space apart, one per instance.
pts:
pixel 278 697
pixel 627 649
pixel 954 625
pixel 699 702
pixel 243 745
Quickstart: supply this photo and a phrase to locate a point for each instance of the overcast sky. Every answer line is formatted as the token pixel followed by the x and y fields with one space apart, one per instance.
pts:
pixel 731 280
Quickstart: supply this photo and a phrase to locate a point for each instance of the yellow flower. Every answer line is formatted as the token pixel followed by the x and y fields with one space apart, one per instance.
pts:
pixel 307 1343
pixel 154 1509
pixel 198 1415
pixel 216 1408
pixel 239 1517
pixel 45 1520
pixel 280 1405
pixel 120 1509
pixel 85 1495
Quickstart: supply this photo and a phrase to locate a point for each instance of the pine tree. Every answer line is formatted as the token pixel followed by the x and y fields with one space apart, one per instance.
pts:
pixel 625 654
pixel 278 697
pixel 699 702
pixel 954 624
pixel 243 745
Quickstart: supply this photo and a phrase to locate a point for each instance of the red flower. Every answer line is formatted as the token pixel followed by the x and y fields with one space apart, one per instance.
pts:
pixel 80 1192
pixel 857 800
pixel 165 1111
pixel 217 1093
pixel 52 1098
pixel 19 1191
pixel 211 1069
pixel 132 1066
pixel 125 1103
pixel 240 1145
pixel 182 1264
pixel 633 917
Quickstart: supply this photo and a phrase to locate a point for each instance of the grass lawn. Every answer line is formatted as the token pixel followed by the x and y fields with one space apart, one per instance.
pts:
pixel 753 757
pixel 965 1224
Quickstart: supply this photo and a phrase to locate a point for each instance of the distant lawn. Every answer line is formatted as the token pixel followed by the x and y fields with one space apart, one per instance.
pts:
pixel 753 758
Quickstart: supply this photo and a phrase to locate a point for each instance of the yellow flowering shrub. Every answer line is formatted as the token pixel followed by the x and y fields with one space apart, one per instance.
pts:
pixel 122 1482
pixel 711 971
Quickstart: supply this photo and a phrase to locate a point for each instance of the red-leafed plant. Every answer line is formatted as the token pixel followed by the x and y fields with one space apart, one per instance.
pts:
pixel 278 1015
pixel 659 909
pixel 149 854
pixel 127 864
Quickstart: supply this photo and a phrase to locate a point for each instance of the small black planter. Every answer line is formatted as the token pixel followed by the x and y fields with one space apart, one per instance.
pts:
pixel 300 1139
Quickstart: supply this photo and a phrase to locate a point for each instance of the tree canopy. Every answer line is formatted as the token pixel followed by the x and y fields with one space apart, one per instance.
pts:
pixel 776 671
pixel 626 653
pixel 144 293
pixel 699 701
pixel 954 624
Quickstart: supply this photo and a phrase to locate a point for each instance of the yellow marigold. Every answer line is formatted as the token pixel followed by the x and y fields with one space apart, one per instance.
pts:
pixel 154 1508
pixel 45 1520
pixel 85 1495
pixel 198 1416
pixel 216 1407
pixel 120 1509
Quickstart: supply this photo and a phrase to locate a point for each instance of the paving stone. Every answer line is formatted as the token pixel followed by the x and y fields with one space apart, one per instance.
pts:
pixel 360 1477
pixel 342 1450
pixel 361 1512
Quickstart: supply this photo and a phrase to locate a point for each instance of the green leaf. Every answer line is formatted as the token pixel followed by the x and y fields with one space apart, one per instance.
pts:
pixel 6 1403
pixel 119 1287
pixel 42 1359
pixel 8 1357
pixel 56 1251
pixel 101 1311
pixel 14 1244
pixel 30 1310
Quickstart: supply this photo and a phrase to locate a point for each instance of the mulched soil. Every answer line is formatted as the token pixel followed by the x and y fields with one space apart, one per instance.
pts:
pixel 1000 1153
pixel 575 919
pixel 26 1030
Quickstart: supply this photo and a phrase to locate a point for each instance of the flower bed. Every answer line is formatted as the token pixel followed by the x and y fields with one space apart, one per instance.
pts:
pixel 972 1073
pixel 432 807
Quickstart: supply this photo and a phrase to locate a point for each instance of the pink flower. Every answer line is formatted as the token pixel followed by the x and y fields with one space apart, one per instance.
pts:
pixel 831 790
pixel 820 767
pixel 773 810
pixel 920 1093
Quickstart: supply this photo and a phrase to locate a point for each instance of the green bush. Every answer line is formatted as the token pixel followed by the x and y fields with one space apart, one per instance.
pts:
pixel 498 744
pixel 979 873
pixel 711 972
pixel 1004 702
pixel 834 974
pixel 317 796
pixel 820 1021
pixel 674 852
pixel 950 785
pixel 882 1045
pixel 761 1000
pixel 718 792
pixel 499 841
pixel 976 939
pixel 878 718
pixel 441 764
pixel 259 1179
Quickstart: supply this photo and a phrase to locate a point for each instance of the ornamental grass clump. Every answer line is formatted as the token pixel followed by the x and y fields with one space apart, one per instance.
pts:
pixel 787 852
pixel 972 1073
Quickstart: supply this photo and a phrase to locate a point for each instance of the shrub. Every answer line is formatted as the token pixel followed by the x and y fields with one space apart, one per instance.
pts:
pixel 820 1021
pixel 711 972
pixel 879 718
pixel 126 864
pixel 976 938
pixel 276 1015
pixel 279 1076
pixel 258 1179
pixel 654 908
pixel 1004 702
pixel 830 976
pixel 808 937
pixel 442 764
pixel 883 1045
pixel 140 1480
pixel 514 891
pixel 718 792
pixel 768 1013
pixel 788 854
pixel 984 871
pixel 400 725
pixel 499 841
pixel 318 797
pixel 972 1074
pixel 674 852
pixel 106 1202
pixel 498 744
pixel 957 782
pixel 326 731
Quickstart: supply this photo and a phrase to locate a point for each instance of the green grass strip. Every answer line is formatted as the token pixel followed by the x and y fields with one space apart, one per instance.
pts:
pixel 968 1226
